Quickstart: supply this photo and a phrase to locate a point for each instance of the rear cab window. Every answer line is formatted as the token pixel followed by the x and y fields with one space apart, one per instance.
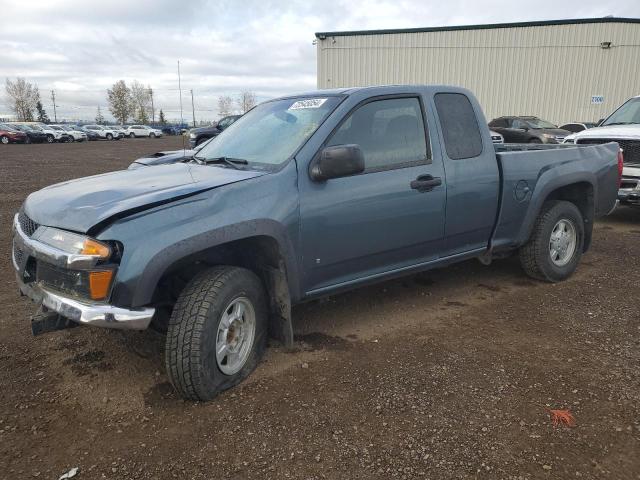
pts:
pixel 462 137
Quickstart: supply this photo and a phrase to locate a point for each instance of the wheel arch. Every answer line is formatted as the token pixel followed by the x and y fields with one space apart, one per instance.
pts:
pixel 579 189
pixel 267 255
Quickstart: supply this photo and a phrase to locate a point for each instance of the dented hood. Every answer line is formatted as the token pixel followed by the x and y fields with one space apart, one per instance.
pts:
pixel 81 204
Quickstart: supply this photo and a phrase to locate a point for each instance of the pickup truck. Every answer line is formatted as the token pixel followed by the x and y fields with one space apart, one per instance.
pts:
pixel 622 127
pixel 302 197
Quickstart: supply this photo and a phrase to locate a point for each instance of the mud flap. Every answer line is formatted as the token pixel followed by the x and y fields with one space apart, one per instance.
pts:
pixel 44 321
pixel 280 325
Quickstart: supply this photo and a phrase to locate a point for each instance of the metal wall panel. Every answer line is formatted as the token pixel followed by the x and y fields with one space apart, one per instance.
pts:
pixel 549 71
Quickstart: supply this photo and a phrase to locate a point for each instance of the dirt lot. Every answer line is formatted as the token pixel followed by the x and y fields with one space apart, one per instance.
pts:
pixel 448 374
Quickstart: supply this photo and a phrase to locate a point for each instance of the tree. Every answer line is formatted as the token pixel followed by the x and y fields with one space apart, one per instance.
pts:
pixel 42 114
pixel 99 116
pixel 246 101
pixel 141 102
pixel 23 97
pixel 119 96
pixel 163 121
pixel 225 105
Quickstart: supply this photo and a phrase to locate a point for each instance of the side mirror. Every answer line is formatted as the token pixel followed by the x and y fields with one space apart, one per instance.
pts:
pixel 336 162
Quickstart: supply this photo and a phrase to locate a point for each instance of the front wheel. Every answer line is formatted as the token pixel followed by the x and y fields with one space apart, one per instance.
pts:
pixel 217 332
pixel 50 139
pixel 109 136
pixel 555 247
pixel 152 135
pixel 132 135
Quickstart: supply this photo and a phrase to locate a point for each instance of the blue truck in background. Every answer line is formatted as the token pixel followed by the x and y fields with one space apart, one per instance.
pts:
pixel 302 197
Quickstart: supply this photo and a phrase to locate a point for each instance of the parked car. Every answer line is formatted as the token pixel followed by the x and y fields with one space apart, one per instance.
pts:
pixel 306 196
pixel 34 135
pixel 66 137
pixel 91 134
pixel 496 137
pixel 577 126
pixel 104 132
pixel 527 130
pixel 623 127
pixel 134 131
pixel 170 130
pixel 167 157
pixel 118 130
pixel 75 134
pixel 53 135
pixel 202 134
pixel 11 135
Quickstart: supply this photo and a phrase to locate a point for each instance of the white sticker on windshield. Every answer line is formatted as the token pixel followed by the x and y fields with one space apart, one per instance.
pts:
pixel 308 103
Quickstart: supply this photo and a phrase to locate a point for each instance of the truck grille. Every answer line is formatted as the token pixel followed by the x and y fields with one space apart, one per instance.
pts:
pixel 18 255
pixel 27 225
pixel 631 148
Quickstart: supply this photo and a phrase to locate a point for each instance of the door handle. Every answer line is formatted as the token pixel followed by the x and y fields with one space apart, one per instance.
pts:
pixel 425 183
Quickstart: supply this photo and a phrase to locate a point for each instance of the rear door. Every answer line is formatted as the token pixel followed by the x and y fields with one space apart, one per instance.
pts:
pixel 357 227
pixel 473 180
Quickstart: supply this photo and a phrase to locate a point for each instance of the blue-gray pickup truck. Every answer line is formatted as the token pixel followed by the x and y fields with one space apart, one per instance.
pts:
pixel 303 196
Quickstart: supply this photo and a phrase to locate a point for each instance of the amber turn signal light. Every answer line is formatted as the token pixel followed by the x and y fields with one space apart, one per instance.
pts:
pixel 99 283
pixel 92 247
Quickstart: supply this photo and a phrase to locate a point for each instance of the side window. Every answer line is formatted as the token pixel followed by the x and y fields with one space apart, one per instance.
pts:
pixel 498 123
pixel 390 133
pixel 460 128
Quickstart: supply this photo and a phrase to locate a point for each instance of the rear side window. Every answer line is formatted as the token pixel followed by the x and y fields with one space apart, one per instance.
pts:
pixel 460 128
pixel 498 123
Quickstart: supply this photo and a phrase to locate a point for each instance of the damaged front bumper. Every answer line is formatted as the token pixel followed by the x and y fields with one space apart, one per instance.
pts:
pixel 77 309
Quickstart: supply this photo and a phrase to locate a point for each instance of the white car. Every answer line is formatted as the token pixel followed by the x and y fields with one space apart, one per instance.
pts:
pixel 104 132
pixel 134 131
pixel 622 126
pixel 74 135
pixel 53 134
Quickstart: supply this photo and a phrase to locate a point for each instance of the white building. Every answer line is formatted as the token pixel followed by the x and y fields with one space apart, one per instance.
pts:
pixel 560 70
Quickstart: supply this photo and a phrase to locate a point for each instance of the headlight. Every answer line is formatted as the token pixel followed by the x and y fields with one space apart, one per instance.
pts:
pixel 192 135
pixel 72 243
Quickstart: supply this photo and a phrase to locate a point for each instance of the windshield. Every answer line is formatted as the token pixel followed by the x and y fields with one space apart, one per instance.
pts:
pixel 270 133
pixel 627 114
pixel 539 123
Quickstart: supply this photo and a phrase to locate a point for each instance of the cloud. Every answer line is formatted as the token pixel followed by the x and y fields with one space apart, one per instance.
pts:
pixel 81 48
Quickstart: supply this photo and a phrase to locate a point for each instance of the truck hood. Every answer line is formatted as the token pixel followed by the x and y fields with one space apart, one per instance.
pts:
pixel 80 204
pixel 622 132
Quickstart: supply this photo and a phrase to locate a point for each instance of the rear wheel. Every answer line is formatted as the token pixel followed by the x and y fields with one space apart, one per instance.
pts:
pixel 132 135
pixel 109 136
pixel 4 139
pixel 555 247
pixel 152 135
pixel 217 332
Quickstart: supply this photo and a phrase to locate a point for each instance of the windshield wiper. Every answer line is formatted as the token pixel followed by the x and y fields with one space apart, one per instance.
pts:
pixel 232 162
pixel 617 123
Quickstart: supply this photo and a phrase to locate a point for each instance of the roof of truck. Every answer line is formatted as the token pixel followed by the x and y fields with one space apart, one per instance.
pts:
pixel 485 26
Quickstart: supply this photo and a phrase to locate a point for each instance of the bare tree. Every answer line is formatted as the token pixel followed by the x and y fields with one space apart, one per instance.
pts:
pixel 119 96
pixel 23 98
pixel 141 102
pixel 225 105
pixel 246 101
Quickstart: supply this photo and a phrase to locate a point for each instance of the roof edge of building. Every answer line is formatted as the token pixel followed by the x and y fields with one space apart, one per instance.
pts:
pixel 487 26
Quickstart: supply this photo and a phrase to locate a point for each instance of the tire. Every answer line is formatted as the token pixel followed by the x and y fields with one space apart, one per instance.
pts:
pixel 4 140
pixel 132 135
pixel 50 139
pixel 195 332
pixel 109 136
pixel 152 135
pixel 542 257
pixel 27 140
pixel 535 140
pixel 200 141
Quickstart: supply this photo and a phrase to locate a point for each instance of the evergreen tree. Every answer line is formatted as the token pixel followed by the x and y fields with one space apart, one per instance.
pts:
pixel 42 114
pixel 163 121
pixel 99 117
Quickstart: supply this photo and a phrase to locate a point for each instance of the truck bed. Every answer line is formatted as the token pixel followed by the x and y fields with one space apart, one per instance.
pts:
pixel 533 171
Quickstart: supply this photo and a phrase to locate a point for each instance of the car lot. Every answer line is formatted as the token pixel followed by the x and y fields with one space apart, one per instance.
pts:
pixel 446 374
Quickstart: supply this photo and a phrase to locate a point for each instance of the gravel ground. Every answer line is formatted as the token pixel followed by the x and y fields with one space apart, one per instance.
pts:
pixel 446 374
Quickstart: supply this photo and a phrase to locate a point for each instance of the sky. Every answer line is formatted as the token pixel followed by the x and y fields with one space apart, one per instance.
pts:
pixel 80 48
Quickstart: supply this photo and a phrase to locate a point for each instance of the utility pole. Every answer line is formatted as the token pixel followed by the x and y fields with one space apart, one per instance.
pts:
pixel 193 110
pixel 153 110
pixel 53 98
